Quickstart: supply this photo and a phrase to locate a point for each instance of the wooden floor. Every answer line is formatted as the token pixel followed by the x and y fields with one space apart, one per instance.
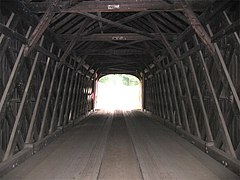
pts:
pixel 123 146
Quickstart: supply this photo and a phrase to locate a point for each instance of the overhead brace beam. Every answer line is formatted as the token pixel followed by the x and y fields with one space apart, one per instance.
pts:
pixel 118 52
pixel 41 27
pixel 119 37
pixel 13 34
pixel 73 42
pixel 117 6
pixel 123 20
pixel 231 28
pixel 197 26
pixel 116 24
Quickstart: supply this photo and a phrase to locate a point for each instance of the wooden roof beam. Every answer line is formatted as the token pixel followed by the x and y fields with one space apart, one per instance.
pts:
pixel 197 26
pixel 117 24
pixel 117 6
pixel 119 37
pixel 118 52
pixel 73 42
pixel 41 27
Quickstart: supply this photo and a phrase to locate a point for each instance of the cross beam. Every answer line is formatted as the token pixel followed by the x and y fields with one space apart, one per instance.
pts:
pixel 119 37
pixel 118 52
pixel 117 6
pixel 117 24
pixel 197 26
pixel 73 42
pixel 41 27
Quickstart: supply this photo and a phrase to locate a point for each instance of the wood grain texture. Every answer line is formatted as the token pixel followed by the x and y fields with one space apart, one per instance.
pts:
pixel 132 146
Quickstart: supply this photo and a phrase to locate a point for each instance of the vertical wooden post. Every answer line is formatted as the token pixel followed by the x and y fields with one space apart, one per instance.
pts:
pixel 76 82
pixel 184 112
pixel 66 114
pixel 143 93
pixel 189 97
pixel 79 105
pixel 53 119
pixel 179 124
pixel 164 97
pixel 169 96
pixel 78 94
pixel 161 97
pixel 63 105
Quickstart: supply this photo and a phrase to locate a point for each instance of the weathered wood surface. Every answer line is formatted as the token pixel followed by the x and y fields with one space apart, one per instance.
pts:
pixel 132 146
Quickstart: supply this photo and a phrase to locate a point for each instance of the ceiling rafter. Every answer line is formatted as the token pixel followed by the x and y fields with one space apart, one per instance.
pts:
pixel 73 41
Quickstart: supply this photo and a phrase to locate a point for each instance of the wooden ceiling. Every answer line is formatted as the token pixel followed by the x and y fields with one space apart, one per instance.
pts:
pixel 116 36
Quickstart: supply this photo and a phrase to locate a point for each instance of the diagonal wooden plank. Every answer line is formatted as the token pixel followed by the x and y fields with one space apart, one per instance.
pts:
pixel 10 84
pixel 41 27
pixel 73 41
pixel 116 24
pixel 64 96
pixel 18 121
pixel 174 57
pixel 197 26
pixel 44 119
pixel 38 100
pixel 66 113
pixel 225 134
pixel 205 117
pixel 225 70
pixel 56 103
pixel 7 25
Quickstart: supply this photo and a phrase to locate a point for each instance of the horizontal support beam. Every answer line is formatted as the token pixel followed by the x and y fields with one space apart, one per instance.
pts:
pixel 12 34
pixel 119 37
pixel 234 27
pixel 117 52
pixel 15 35
pixel 117 6
pixel 185 55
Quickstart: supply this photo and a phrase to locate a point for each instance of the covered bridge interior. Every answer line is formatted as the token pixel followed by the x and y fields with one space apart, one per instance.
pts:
pixel 186 55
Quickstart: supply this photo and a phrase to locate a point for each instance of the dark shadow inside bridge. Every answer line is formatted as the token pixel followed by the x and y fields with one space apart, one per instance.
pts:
pixel 185 54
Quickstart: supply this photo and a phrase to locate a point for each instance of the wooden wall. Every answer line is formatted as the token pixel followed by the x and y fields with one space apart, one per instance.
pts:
pixel 197 91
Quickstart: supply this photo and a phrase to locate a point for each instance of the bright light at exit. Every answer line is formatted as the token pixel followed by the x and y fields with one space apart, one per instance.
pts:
pixel 118 91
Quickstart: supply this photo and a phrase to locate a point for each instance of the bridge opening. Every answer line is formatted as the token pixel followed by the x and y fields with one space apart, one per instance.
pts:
pixel 118 91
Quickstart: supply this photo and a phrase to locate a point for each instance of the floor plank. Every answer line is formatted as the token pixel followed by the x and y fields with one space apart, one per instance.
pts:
pixel 133 146
pixel 120 161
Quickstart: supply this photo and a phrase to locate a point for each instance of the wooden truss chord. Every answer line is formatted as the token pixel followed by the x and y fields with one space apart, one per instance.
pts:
pixel 115 6
pixel 73 41
pixel 41 27
pixel 38 100
pixel 118 37
pixel 10 84
pixel 197 26
pixel 18 121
